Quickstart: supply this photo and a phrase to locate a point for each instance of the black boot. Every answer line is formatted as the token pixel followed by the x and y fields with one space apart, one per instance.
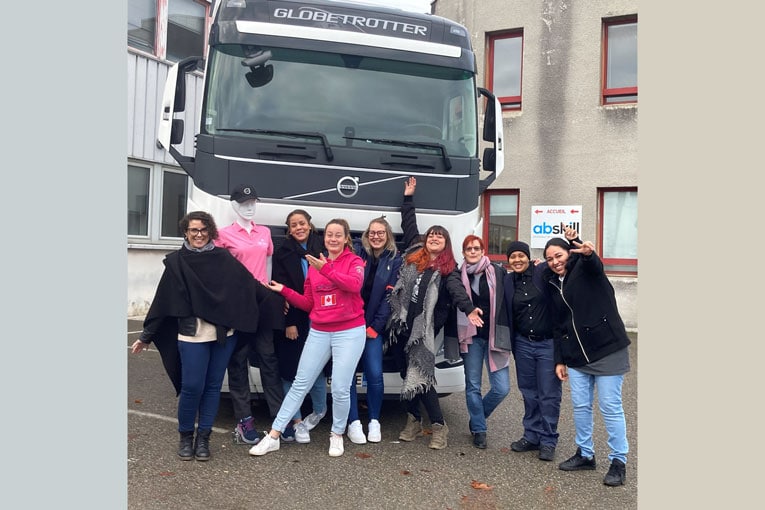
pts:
pixel 202 444
pixel 185 445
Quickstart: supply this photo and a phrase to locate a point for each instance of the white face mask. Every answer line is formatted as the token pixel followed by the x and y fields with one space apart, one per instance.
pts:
pixel 245 210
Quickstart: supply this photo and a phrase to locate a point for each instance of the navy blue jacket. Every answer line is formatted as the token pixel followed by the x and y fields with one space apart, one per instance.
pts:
pixel 377 309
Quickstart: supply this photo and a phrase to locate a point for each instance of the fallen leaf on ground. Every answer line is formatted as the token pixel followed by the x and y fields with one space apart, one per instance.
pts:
pixel 480 485
pixel 362 455
pixel 137 401
pixel 405 472
pixel 166 473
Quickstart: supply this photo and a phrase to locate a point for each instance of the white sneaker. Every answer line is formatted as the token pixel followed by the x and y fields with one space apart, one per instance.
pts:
pixel 335 444
pixel 356 433
pixel 267 444
pixel 313 419
pixel 374 435
pixel 301 433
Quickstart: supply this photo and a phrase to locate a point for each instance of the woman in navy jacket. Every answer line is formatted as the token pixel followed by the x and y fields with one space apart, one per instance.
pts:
pixel 377 248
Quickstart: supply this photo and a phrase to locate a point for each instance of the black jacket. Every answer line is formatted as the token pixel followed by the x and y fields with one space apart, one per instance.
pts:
pixel 287 270
pixel 451 292
pixel 587 324
pixel 538 276
pixel 211 285
pixel 501 316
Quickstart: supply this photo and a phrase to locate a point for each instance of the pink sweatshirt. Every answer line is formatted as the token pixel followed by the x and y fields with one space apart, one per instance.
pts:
pixel 332 296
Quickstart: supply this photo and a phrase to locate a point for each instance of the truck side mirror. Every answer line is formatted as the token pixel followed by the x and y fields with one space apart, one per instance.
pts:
pixel 176 132
pixel 489 160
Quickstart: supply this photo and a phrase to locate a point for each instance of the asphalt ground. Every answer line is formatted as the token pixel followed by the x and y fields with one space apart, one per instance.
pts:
pixel 386 475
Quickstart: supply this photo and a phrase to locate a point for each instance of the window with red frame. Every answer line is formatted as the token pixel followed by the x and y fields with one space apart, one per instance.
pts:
pixel 618 229
pixel 183 23
pixel 620 61
pixel 504 69
pixel 500 226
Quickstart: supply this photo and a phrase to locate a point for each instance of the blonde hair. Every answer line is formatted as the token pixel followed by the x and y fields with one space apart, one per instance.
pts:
pixel 390 243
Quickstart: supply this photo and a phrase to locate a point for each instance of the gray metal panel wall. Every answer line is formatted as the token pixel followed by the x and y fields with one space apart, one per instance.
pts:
pixel 146 83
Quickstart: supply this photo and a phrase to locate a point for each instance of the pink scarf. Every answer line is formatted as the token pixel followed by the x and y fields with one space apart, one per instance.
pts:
pixel 465 330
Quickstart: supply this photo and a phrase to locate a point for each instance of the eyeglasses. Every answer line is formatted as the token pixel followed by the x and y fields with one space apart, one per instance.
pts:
pixel 197 231
pixel 473 248
pixel 377 233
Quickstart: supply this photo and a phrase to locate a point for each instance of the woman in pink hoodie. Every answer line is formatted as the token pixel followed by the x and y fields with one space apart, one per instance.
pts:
pixel 332 298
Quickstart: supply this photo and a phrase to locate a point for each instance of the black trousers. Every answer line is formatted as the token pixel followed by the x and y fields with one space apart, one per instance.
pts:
pixel 254 348
pixel 430 400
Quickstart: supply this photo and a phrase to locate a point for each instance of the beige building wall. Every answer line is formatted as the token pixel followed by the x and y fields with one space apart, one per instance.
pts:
pixel 563 144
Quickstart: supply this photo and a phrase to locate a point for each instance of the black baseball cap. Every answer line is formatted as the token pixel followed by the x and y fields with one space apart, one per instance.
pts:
pixel 243 193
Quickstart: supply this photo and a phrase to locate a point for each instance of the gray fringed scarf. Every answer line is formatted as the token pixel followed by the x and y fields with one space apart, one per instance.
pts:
pixel 420 347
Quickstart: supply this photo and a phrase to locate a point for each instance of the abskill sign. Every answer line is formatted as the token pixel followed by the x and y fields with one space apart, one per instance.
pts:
pixel 547 221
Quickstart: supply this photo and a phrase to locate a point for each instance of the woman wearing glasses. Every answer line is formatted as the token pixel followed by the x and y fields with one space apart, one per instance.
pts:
pixel 204 294
pixel 377 249
pixel 486 345
pixel 421 301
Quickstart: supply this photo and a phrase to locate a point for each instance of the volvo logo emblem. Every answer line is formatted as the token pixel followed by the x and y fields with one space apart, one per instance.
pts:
pixel 348 186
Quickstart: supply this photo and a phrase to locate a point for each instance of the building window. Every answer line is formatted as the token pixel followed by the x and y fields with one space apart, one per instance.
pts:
pixel 142 24
pixel 185 29
pixel 505 55
pixel 618 217
pixel 156 203
pixel 183 23
pixel 501 209
pixel 620 61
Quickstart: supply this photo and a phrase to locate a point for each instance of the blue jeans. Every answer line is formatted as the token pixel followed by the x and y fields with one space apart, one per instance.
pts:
pixel 480 408
pixel 610 404
pixel 318 393
pixel 344 347
pixel 203 366
pixel 371 359
pixel 541 390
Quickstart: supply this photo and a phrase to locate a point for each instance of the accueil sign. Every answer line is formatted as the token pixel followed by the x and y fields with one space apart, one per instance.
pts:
pixel 547 221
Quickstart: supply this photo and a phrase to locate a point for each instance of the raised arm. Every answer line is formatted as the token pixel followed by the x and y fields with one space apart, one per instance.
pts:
pixel 408 217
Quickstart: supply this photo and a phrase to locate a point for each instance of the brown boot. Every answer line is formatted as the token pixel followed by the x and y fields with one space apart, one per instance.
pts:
pixel 438 439
pixel 412 429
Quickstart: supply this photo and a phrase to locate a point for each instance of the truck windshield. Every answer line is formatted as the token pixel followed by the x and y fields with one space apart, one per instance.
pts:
pixel 347 98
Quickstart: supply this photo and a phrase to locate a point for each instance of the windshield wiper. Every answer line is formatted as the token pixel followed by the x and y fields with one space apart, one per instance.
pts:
pixel 404 143
pixel 291 134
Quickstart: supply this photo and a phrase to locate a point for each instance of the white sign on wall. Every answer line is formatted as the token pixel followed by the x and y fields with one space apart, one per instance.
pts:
pixel 546 221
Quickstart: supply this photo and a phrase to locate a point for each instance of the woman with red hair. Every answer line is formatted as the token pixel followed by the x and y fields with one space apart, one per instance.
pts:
pixel 487 345
pixel 421 301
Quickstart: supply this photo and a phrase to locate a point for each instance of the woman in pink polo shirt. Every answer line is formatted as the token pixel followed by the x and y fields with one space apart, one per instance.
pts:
pixel 332 296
